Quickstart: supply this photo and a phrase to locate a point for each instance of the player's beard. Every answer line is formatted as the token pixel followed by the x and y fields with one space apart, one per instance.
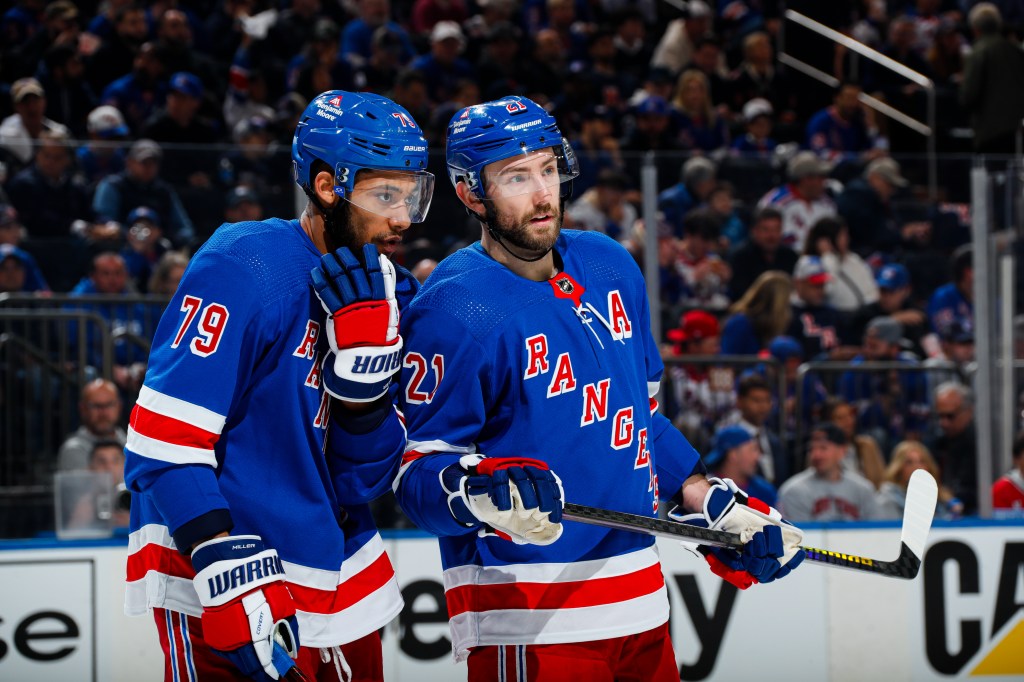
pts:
pixel 516 230
pixel 338 226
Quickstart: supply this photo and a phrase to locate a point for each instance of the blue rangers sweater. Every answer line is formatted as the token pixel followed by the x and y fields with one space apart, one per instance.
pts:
pixel 565 371
pixel 231 427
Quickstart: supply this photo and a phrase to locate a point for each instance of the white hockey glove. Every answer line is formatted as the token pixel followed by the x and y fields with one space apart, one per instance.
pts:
pixel 771 544
pixel 362 323
pixel 248 612
pixel 516 498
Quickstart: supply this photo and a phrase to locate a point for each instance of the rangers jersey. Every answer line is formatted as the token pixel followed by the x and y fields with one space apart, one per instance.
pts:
pixel 230 430
pixel 565 371
pixel 798 213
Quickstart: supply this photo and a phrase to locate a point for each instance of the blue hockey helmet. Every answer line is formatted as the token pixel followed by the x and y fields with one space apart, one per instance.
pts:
pixel 352 131
pixel 514 126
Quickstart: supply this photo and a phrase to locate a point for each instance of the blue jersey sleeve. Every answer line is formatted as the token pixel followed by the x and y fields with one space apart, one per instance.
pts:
pixel 442 395
pixel 364 452
pixel 205 347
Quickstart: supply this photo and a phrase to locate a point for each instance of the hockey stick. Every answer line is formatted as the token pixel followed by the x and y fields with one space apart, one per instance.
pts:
pixel 922 493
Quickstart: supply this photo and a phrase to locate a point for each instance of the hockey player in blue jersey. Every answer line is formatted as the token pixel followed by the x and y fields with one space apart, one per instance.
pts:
pixel 265 426
pixel 526 354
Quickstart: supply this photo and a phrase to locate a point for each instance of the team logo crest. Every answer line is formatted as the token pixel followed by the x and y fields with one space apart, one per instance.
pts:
pixel 565 284
pixel 335 101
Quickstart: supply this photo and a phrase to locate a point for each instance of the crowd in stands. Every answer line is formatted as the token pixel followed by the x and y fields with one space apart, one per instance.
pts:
pixel 788 231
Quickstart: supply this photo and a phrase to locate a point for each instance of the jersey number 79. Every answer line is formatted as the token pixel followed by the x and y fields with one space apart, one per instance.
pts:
pixel 210 326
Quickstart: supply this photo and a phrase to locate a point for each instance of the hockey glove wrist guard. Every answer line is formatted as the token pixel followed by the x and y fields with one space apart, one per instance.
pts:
pixel 362 323
pixel 771 544
pixel 515 498
pixel 248 613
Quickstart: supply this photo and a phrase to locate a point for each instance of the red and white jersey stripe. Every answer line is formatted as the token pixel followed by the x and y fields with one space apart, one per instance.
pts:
pixel 172 430
pixel 553 603
pixel 332 606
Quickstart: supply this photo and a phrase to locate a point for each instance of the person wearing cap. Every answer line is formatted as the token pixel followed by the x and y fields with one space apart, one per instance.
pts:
pixel 652 127
pixel 255 159
pixel 20 130
pixel 866 203
pixel 144 245
pixel 701 396
pixel 675 49
pixel 242 203
pixel 803 199
pixel 603 207
pixel 757 142
pixel 852 285
pixel 841 129
pixel 894 288
pixel 357 36
pixel 697 178
pixel 814 323
pixel 178 126
pixel 596 147
pixel 48 196
pixel 734 454
pixel 892 405
pixel 442 66
pixel 139 184
pixel 19 272
pixel 102 155
pixel 788 353
pixel 763 251
pixel 825 490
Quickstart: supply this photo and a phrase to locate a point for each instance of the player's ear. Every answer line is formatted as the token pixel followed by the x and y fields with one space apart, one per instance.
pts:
pixel 471 200
pixel 323 186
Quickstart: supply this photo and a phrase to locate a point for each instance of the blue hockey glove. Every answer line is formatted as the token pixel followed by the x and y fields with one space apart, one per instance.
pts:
pixel 516 498
pixel 248 613
pixel 362 323
pixel 771 547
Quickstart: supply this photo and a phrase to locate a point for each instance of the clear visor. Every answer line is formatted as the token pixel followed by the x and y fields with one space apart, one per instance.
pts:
pixel 397 195
pixel 536 172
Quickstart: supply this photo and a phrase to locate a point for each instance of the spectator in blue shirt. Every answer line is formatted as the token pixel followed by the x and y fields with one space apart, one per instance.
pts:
pixel 102 156
pixel 357 38
pixel 441 67
pixel 696 181
pixel 841 129
pixel 757 141
pixel 892 405
pixel 954 302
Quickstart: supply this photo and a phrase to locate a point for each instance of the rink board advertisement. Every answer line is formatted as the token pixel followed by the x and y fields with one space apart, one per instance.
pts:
pixel 961 619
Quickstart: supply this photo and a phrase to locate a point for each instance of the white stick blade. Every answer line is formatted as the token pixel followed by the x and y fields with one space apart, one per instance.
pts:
pixel 922 493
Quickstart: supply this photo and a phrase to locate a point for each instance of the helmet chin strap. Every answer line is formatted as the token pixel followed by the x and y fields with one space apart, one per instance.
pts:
pixel 335 222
